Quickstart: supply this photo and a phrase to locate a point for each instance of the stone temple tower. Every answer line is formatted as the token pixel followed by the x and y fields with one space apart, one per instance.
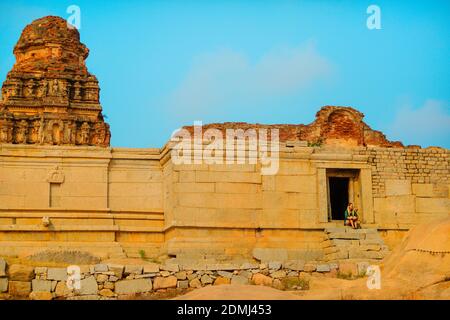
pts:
pixel 49 97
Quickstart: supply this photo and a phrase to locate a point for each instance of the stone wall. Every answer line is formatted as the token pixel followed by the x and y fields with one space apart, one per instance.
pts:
pixel 121 202
pixel 116 281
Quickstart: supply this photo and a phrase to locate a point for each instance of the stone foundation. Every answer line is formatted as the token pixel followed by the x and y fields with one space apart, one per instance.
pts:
pixel 106 281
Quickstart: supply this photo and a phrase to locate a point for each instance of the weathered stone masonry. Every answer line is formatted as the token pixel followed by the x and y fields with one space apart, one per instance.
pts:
pixel 63 188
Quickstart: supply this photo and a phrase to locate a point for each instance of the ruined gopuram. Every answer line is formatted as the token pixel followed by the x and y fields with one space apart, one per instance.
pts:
pixel 49 97
pixel 62 188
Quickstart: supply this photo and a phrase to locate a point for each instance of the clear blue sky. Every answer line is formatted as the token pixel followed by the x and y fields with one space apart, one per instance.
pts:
pixel 164 64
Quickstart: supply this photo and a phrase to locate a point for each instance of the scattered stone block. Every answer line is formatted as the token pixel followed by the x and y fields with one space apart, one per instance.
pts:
pixel 239 280
pixel 102 278
pixel 309 267
pixel 274 265
pixel 19 288
pixel 323 268
pixel 100 268
pixel 88 286
pixel 278 274
pixel 3 285
pixel 222 280
pixel 151 268
pixel 195 283
pixel 2 267
pixel 205 279
pixel 41 295
pixel 165 282
pixel 248 265
pixel 296 265
pixel 172 267
pixel 40 270
pixel 59 274
pixel 133 269
pixel 184 284
pixel 41 285
pixel 62 290
pixel 225 274
pixel 247 274
pixel 262 280
pixel 133 286
pixel 106 293
pixel 181 275
pixel 117 269
pixel 20 272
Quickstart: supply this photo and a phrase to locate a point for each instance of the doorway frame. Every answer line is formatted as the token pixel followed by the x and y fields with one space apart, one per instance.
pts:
pixel 353 187
pixel 365 181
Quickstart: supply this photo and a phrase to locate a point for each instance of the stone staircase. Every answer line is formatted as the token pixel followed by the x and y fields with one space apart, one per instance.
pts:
pixel 342 243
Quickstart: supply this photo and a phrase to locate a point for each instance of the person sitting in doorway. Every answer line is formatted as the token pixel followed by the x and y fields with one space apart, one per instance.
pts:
pixel 351 217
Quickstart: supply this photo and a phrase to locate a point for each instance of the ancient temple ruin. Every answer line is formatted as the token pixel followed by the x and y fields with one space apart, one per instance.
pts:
pixel 49 97
pixel 63 188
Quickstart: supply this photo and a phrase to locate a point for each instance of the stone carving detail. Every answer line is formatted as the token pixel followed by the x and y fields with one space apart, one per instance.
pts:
pixel 49 97
pixel 56 175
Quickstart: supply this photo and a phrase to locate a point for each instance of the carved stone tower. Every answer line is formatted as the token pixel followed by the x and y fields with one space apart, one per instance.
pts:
pixel 49 97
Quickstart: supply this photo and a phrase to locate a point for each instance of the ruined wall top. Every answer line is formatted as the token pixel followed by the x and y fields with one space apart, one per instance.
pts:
pixel 49 97
pixel 341 126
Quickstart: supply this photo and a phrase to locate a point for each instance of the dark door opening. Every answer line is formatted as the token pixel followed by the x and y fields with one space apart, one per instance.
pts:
pixel 338 197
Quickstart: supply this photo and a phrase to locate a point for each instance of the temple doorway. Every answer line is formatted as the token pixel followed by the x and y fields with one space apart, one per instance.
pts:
pixel 338 193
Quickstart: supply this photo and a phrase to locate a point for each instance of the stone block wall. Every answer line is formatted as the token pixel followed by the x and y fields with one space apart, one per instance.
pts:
pixel 117 281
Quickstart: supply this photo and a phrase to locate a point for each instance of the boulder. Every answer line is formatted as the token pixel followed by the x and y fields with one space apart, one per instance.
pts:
pixel 195 283
pixel 262 280
pixel 221 280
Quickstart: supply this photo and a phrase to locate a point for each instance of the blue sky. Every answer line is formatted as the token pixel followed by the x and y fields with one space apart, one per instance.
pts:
pixel 164 64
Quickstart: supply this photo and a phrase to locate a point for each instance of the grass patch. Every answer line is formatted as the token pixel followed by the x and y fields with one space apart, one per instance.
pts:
pixel 350 276
pixel 295 283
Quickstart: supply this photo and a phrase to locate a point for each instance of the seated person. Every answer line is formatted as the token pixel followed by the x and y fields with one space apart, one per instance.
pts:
pixel 351 217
